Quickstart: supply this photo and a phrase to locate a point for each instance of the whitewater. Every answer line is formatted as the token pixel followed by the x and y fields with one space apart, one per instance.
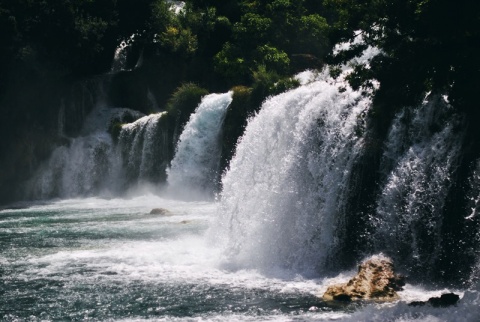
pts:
pixel 110 260
pixel 261 249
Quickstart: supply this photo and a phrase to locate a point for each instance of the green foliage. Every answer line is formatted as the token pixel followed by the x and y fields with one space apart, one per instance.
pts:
pixel 235 121
pixel 180 41
pixel 272 58
pixel 71 35
pixel 267 83
pixel 171 32
pixel 252 28
pixel 230 62
pixel 162 17
pixel 269 33
pixel 184 101
pixel 312 37
pixel 425 46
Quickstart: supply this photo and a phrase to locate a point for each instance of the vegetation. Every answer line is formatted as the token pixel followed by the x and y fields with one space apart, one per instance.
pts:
pixel 426 46
pixel 48 46
pixel 183 103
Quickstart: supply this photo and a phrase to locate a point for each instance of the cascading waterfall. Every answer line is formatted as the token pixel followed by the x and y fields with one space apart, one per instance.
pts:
pixel 285 210
pixel 91 164
pixel 143 149
pixel 286 197
pixel 80 169
pixel 197 158
pixel 283 197
pixel 421 153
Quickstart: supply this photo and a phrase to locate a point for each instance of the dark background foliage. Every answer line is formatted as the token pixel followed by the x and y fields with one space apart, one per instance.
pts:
pixel 52 53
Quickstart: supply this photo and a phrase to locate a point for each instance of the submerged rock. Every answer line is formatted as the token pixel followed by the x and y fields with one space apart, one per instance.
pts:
pixel 160 211
pixel 375 280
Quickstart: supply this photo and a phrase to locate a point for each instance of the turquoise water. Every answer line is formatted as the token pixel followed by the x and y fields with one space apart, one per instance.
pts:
pixel 96 259
pixel 110 260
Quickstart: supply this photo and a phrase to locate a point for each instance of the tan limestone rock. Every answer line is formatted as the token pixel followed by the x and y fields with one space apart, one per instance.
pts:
pixel 375 280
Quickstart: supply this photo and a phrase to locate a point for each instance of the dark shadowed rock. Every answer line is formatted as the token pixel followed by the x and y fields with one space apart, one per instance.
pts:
pixel 375 280
pixel 444 300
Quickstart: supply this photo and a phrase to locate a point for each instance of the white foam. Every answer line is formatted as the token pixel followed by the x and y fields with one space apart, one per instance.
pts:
pixel 196 163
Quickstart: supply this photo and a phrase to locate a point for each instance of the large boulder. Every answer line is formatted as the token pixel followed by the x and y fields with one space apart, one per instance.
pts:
pixel 375 280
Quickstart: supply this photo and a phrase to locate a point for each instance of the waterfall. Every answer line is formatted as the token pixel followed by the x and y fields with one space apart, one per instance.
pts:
pixel 143 149
pixel 288 198
pixel 283 196
pixel 80 169
pixel 120 59
pixel 91 164
pixel 196 163
pixel 422 151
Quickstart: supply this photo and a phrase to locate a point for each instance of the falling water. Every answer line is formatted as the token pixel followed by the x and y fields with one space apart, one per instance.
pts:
pixel 143 149
pixel 197 158
pixel 283 206
pixel 87 165
pixel 80 169
pixel 283 197
pixel 421 153
pixel 120 57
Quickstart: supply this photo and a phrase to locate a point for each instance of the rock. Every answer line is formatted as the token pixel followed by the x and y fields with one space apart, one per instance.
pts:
pixel 160 211
pixel 444 300
pixel 375 280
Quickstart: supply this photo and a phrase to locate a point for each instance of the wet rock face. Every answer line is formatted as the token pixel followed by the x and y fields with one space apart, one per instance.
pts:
pixel 375 280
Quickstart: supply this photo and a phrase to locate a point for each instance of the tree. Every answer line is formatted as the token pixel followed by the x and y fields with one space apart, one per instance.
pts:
pixel 426 46
pixel 268 35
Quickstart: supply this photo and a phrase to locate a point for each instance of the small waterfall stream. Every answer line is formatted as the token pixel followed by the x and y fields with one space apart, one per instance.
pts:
pixel 143 149
pixel 196 163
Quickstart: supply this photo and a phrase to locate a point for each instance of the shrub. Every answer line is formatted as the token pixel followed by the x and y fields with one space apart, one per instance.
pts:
pixel 184 101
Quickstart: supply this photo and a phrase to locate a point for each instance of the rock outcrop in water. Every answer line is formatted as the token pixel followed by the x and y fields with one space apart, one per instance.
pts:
pixel 444 300
pixel 375 280
pixel 160 211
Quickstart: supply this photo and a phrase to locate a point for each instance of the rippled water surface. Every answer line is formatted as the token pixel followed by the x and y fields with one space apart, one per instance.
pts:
pixel 110 260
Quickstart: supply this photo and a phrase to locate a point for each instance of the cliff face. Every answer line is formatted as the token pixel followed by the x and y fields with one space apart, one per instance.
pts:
pixel 37 113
